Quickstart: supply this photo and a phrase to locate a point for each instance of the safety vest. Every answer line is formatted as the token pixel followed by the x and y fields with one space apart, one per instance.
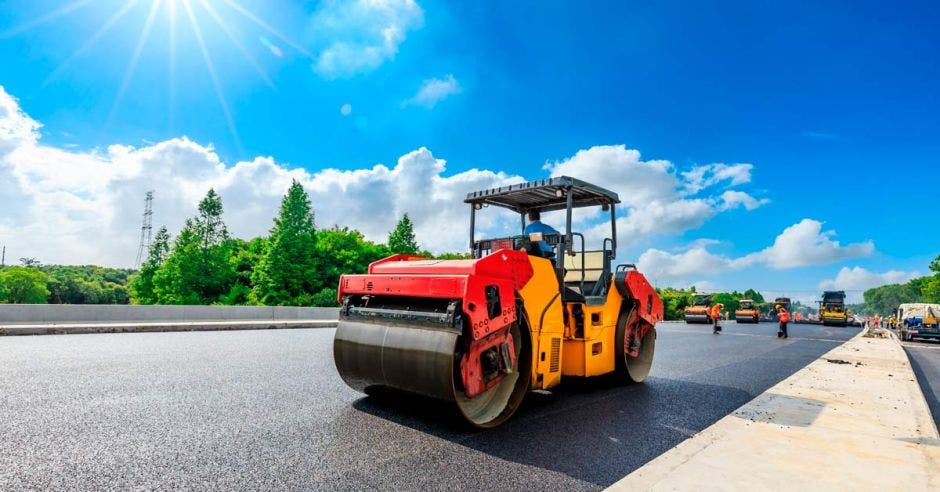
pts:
pixel 715 311
pixel 783 316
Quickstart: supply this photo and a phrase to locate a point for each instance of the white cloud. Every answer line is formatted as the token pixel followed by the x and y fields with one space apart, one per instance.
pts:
pixel 655 199
pixel 345 109
pixel 701 177
pixel 805 243
pixel 65 206
pixel 694 262
pixel 85 207
pixel 359 36
pixel 433 91
pixel 802 244
pixel 733 198
pixel 860 279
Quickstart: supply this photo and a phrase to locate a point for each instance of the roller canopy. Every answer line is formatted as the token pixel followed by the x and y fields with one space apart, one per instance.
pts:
pixel 544 195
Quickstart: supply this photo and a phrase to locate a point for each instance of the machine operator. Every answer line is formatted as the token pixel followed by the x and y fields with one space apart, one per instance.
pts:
pixel 536 225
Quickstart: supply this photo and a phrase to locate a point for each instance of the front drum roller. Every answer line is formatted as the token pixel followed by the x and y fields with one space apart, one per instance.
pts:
pixel 425 361
pixel 635 367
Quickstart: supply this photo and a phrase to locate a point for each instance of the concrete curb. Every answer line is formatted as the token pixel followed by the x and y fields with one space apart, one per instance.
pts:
pixel 116 327
pixel 853 419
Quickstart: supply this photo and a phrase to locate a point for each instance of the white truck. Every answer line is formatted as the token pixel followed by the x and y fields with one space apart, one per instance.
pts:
pixel 918 320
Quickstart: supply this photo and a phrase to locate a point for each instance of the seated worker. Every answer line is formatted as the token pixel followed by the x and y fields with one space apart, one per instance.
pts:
pixel 536 225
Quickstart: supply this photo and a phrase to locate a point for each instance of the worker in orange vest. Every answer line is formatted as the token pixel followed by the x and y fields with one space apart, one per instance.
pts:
pixel 715 313
pixel 783 316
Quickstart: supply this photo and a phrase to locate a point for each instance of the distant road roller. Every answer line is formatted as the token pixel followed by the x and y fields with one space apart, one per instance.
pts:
pixel 698 311
pixel 747 312
pixel 832 308
pixel 519 315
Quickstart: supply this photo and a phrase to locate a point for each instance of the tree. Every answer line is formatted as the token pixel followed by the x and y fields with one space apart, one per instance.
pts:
pixel 29 262
pixel 22 285
pixel 87 284
pixel 342 251
pixel 287 273
pixel 675 301
pixel 753 295
pixel 246 256
pixel 402 239
pixel 198 269
pixel 142 288
pixel 887 298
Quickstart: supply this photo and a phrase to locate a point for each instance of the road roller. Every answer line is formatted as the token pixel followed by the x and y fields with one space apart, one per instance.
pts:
pixel 832 308
pixel 698 311
pixel 522 313
pixel 747 312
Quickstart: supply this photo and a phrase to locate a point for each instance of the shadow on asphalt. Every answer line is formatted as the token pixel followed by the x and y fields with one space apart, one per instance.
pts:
pixel 594 430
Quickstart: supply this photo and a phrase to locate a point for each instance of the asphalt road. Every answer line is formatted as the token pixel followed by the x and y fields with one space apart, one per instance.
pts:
pixel 266 409
pixel 925 360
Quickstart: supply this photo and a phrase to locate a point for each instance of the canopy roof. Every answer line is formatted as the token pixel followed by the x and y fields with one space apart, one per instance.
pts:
pixel 543 195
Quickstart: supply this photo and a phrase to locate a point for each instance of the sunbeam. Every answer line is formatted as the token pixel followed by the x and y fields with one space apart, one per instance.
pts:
pixel 125 8
pixel 212 74
pixel 171 63
pixel 132 65
pixel 55 14
pixel 228 32
pixel 264 25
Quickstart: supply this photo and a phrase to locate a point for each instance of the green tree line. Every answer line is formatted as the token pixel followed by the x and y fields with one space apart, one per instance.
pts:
pixel 885 299
pixel 33 283
pixel 296 264
pixel 676 300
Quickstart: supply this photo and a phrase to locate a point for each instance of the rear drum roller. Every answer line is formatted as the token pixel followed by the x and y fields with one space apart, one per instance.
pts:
pixel 634 369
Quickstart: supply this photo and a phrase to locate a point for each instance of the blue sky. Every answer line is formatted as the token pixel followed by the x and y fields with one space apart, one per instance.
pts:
pixel 834 104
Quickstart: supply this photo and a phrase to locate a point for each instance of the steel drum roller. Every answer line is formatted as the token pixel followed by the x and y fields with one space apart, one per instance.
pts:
pixel 421 360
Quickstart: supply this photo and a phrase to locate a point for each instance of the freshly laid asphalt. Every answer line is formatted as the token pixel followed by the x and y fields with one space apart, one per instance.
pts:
pixel 266 409
pixel 925 360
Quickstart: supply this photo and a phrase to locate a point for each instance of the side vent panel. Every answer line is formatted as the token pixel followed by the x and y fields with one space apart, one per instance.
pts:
pixel 555 356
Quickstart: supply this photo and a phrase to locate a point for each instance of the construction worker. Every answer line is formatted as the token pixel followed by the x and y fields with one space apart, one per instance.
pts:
pixel 715 313
pixel 783 316
pixel 536 225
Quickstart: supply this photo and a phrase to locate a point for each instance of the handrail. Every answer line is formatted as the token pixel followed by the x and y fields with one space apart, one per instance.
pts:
pixel 583 265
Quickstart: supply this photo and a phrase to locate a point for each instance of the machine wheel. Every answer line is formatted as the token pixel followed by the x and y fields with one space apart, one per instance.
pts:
pixel 634 369
pixel 495 405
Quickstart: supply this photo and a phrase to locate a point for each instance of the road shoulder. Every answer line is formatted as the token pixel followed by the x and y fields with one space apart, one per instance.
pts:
pixel 856 416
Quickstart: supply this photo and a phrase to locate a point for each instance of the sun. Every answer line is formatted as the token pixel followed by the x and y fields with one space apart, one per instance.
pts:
pixel 195 15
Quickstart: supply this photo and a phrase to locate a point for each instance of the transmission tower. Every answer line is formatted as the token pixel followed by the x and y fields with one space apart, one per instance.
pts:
pixel 146 229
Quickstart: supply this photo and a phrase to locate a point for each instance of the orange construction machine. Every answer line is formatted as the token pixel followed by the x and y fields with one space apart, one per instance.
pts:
pixel 747 312
pixel 525 311
pixel 698 312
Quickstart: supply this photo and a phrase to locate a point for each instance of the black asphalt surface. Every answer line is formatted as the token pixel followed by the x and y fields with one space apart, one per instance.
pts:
pixel 266 409
pixel 925 360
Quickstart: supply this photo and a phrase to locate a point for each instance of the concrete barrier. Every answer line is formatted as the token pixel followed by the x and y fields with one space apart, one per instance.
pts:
pixel 152 327
pixel 31 314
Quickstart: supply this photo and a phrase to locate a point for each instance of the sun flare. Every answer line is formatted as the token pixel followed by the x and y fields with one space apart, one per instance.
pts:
pixel 200 15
